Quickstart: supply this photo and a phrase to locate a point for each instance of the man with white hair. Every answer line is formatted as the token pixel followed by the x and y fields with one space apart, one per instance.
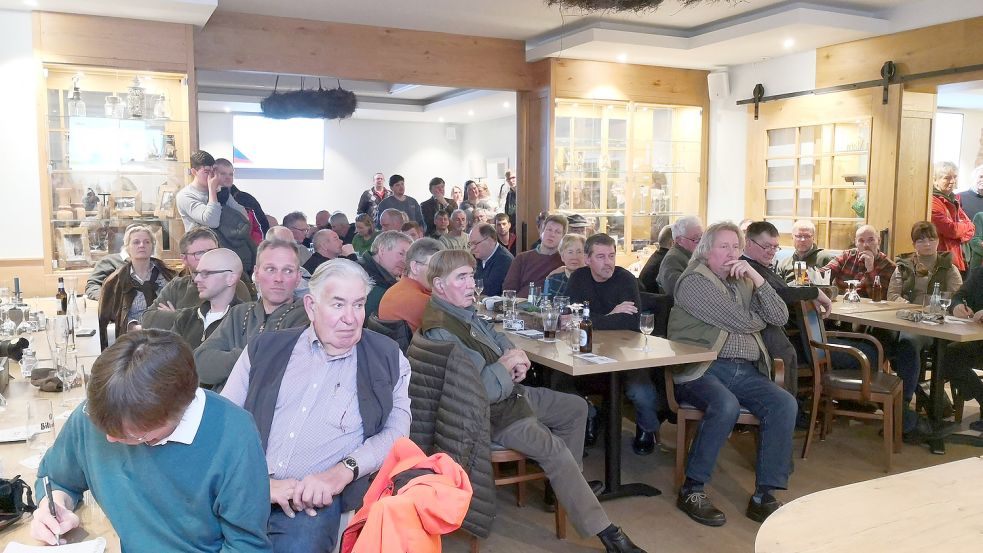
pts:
pixel 329 400
pixel 804 242
pixel 392 219
pixel 277 275
pixel 686 234
pixel 456 238
pixel 385 263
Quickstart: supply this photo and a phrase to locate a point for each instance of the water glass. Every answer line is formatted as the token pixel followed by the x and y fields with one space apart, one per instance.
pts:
pixel 5 295
pixel 479 285
pixel 40 430
pixel 550 316
pixel 945 300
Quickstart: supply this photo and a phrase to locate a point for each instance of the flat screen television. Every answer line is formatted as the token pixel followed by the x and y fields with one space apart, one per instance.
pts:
pixel 262 143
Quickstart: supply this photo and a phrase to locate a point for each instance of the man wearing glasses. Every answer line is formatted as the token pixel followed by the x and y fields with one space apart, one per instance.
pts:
pixel 181 292
pixel 493 258
pixel 215 278
pixel 301 231
pixel 686 234
pixel 804 241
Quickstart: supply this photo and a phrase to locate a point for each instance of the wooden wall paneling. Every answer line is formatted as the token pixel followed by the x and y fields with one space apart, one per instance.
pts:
pixel 914 165
pixel 755 174
pixel 112 42
pixel 192 93
pixel 915 51
pixel 239 41
pixel 621 81
pixel 882 196
pixel 534 161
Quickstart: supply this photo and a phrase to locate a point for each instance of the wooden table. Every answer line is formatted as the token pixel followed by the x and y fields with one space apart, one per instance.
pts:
pixel 867 306
pixel 931 509
pixel 621 345
pixel 941 333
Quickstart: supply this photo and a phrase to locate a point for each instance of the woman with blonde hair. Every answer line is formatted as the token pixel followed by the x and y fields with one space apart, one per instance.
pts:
pixel 128 292
pixel 572 254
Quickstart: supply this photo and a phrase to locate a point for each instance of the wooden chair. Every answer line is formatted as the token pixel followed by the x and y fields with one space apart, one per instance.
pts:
pixel 686 414
pixel 499 455
pixel 865 385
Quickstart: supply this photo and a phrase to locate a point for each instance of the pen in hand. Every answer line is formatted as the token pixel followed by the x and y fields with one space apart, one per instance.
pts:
pixel 51 506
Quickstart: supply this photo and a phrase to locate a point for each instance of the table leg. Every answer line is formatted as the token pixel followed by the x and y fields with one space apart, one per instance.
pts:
pixel 613 488
pixel 936 390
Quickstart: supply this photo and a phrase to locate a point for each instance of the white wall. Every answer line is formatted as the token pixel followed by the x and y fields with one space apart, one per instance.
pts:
pixel 493 139
pixel 20 208
pixel 357 148
pixel 970 145
pixel 729 126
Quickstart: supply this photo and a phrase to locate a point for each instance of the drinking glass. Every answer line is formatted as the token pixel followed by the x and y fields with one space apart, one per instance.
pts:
pixel 945 300
pixel 4 295
pixel 25 326
pixel 479 285
pixel 68 374
pixel 509 296
pixel 561 302
pixel 40 430
pixel 646 324
pixel 7 327
pixel 551 316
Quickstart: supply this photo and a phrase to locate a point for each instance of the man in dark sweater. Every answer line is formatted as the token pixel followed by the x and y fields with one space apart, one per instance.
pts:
pixel 327 245
pixel 536 264
pixel 614 299
pixel 650 272
pixel 436 202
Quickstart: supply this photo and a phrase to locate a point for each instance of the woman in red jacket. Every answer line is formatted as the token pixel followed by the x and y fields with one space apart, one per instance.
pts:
pixel 954 226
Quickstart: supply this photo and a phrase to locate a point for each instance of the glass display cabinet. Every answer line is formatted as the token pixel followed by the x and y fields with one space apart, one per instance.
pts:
pixel 819 173
pixel 117 150
pixel 629 168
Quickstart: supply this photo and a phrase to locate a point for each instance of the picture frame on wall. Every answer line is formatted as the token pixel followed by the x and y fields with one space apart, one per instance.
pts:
pixel 166 201
pixel 73 246
pixel 126 204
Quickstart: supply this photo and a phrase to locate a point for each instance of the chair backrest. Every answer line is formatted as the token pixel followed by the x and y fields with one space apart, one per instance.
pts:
pixel 660 305
pixel 397 330
pixel 814 331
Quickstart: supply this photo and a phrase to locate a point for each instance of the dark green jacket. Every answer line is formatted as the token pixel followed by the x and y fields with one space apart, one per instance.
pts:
pixel 182 293
pixel 189 323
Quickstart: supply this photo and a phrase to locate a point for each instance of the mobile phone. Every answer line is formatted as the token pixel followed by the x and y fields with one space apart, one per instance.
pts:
pixel 85 332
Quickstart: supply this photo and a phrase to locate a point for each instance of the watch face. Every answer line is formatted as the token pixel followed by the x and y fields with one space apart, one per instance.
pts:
pixel 350 463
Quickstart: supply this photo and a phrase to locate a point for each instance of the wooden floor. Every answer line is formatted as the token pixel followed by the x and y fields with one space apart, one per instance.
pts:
pixel 851 454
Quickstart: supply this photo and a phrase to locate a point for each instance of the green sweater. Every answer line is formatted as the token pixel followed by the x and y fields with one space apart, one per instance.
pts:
pixel 211 495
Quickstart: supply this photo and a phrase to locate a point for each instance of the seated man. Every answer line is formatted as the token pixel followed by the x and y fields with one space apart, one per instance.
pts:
pixel 547 426
pixel 723 304
pixel 345 230
pixel 961 358
pixel 650 272
pixel 804 240
pixel 216 277
pixel 536 264
pixel 330 401
pixel 168 463
pixel 456 237
pixel 277 275
pixel 280 232
pixel 863 263
pixel 327 245
pixel 406 299
pixel 392 219
pixel 441 223
pixel 385 263
pixel 503 230
pixel 413 230
pixel 182 292
pixel 686 234
pixel 493 258
pixel 613 295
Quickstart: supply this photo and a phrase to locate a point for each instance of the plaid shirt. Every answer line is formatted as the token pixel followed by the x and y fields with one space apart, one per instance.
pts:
pixel 849 266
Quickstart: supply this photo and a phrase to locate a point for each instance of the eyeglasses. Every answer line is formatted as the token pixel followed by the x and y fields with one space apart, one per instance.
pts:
pixel 768 248
pixel 304 230
pixel 693 240
pixel 197 254
pixel 473 244
pixel 802 236
pixel 206 274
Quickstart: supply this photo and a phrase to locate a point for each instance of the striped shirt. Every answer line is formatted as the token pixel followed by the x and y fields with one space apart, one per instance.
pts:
pixel 317 422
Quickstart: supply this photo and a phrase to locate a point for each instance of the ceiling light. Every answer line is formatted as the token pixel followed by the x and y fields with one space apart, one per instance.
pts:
pixel 471 113
pixel 31 3
pixel 623 57
pixel 228 109
pixel 506 105
pixel 789 43
pixel 440 119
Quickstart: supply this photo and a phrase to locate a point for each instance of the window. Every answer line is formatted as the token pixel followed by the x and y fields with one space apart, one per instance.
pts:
pixel 947 137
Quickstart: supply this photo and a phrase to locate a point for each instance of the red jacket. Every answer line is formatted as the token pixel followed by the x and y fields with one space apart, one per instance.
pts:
pixel 413 520
pixel 954 226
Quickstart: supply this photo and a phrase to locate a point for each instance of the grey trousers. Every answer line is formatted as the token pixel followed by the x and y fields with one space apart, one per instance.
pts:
pixel 555 440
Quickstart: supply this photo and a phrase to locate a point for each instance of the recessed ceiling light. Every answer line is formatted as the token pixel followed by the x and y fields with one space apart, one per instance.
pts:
pixel 789 43
pixel 440 119
pixel 471 113
pixel 228 109
pixel 623 57
pixel 506 105
pixel 31 3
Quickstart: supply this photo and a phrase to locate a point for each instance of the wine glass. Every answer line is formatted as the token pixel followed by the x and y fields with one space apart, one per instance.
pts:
pixel 7 327
pixel 25 326
pixel 945 300
pixel 40 430
pixel 646 325
pixel 68 374
pixel 4 295
pixel 479 285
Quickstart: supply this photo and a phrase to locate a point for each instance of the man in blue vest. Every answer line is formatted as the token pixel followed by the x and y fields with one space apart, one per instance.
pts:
pixel 329 400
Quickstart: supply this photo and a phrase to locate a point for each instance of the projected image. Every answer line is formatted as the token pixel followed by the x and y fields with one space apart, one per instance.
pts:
pixel 261 143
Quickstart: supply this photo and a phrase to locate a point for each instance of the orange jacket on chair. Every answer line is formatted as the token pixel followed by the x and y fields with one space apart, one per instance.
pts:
pixel 421 511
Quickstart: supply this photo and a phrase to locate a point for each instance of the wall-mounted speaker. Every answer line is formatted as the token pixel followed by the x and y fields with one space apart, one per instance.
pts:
pixel 450 133
pixel 719 85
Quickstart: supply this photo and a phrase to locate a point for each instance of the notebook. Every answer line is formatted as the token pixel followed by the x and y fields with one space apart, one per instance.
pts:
pixel 97 545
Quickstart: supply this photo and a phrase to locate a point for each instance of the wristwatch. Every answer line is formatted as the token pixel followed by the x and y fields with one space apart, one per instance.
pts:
pixel 351 465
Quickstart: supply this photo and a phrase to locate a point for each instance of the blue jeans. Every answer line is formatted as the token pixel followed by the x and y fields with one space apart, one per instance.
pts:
pixel 647 401
pixel 719 393
pixel 304 533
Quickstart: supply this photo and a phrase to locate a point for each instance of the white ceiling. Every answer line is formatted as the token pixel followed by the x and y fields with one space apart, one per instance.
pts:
pixel 968 95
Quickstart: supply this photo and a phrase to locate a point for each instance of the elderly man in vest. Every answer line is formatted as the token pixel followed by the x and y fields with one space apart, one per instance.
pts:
pixel 329 401
pixel 723 304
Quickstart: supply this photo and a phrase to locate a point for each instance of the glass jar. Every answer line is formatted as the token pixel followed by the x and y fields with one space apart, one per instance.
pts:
pixel 28 363
pixel 113 106
pixel 135 97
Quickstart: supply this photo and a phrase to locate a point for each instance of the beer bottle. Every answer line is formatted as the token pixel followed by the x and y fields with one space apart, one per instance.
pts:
pixel 586 331
pixel 62 297
pixel 877 291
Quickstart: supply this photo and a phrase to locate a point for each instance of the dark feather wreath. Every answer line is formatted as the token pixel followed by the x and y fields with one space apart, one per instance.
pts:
pixel 620 5
pixel 333 103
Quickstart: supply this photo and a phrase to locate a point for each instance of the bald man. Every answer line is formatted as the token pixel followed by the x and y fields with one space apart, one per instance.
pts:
pixel 216 277
pixel 328 245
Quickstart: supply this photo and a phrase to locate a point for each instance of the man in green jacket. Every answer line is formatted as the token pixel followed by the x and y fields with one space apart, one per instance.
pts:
pixel 216 278
pixel 277 275
pixel 686 233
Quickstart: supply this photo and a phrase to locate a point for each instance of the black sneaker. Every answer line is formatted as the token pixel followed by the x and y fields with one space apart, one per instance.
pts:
pixel 618 542
pixel 758 512
pixel 697 505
